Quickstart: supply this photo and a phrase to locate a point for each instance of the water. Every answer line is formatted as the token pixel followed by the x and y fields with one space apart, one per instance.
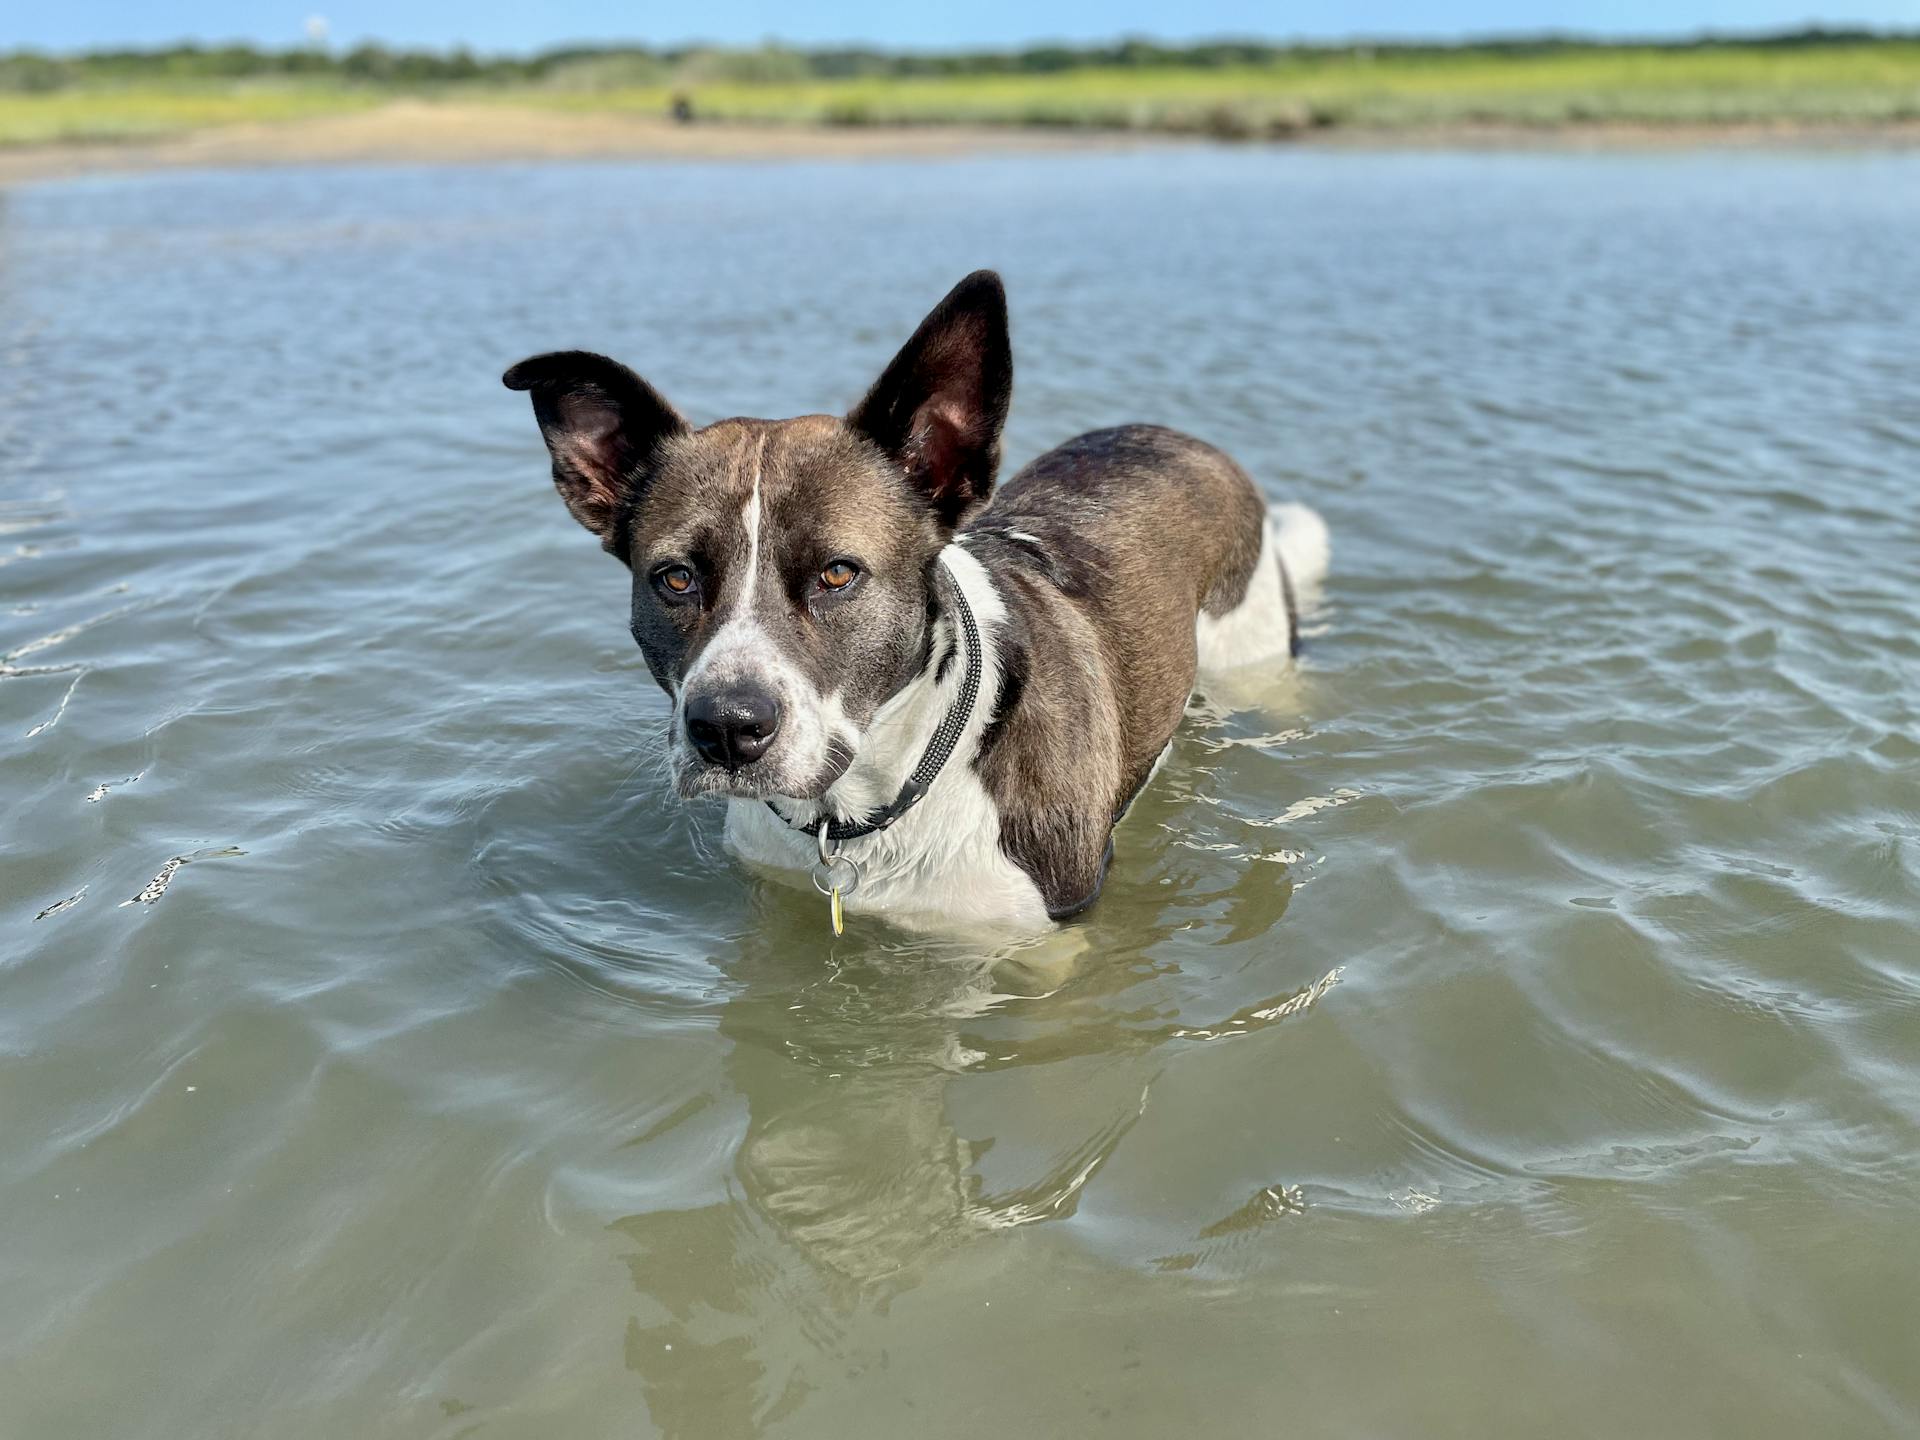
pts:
pixel 1510 1024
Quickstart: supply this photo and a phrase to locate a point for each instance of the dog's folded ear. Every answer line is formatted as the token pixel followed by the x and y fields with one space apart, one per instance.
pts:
pixel 602 424
pixel 938 407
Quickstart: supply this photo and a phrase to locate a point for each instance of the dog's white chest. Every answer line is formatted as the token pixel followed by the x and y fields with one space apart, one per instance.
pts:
pixel 939 866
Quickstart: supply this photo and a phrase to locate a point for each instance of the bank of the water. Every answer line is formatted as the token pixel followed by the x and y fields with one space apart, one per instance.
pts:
pixel 416 132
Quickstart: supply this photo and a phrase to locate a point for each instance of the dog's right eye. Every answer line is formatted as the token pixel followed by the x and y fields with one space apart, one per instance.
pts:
pixel 675 580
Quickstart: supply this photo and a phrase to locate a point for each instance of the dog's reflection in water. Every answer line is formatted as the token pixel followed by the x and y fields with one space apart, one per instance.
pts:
pixel 852 1180
pixel 851 1154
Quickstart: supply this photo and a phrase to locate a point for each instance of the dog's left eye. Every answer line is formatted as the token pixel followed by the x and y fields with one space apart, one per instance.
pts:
pixel 839 575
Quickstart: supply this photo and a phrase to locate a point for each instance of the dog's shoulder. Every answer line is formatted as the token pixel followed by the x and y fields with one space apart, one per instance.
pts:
pixel 1101 551
pixel 1051 750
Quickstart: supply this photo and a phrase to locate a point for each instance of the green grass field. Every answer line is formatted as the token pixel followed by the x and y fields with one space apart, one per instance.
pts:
pixel 1852 83
pixel 1857 84
pixel 137 112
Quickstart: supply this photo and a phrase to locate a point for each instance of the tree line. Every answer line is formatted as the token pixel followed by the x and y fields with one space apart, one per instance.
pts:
pixel 373 64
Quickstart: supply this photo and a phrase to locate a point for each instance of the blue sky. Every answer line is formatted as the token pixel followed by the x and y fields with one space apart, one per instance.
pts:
pixel 531 24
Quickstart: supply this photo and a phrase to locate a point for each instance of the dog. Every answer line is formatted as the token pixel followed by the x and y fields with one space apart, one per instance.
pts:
pixel 935 699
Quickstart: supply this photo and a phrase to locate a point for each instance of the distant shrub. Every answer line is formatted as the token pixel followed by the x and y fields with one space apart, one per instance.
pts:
pixel 28 73
pixel 614 70
pixel 769 65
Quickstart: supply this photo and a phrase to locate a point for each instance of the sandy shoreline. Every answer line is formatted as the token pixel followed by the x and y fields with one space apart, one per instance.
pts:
pixel 410 132
pixel 414 132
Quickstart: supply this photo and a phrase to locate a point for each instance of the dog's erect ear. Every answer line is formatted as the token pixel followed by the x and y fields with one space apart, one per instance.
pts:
pixel 602 424
pixel 938 408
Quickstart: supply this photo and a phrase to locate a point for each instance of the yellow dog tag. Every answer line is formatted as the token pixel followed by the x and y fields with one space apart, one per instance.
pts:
pixel 835 877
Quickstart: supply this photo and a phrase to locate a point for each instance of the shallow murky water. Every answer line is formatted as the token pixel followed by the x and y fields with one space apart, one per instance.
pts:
pixel 1509 1024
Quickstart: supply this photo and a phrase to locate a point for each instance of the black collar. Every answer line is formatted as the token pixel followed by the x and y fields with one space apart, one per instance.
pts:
pixel 939 749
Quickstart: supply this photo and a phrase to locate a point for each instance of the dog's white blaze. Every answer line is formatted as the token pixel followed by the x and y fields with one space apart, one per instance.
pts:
pixel 941 864
pixel 742 650
pixel 741 630
pixel 1255 630
pixel 750 520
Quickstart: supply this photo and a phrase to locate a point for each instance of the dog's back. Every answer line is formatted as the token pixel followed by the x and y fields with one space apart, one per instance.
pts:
pixel 1132 558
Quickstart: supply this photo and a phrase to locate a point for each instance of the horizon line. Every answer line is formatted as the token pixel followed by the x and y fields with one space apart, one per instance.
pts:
pixel 1705 35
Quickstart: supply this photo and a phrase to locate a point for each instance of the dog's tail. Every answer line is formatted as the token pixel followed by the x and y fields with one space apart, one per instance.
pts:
pixel 1305 549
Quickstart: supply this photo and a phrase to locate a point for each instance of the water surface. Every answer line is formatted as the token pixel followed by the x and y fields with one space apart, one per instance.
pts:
pixel 1508 1024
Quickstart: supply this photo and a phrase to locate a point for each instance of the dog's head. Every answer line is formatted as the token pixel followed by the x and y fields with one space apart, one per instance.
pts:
pixel 782 568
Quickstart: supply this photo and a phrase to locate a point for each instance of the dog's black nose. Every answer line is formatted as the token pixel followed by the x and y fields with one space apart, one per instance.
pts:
pixel 732 727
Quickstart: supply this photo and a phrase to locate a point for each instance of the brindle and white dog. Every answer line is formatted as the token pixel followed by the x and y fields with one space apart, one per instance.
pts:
pixel 967 688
